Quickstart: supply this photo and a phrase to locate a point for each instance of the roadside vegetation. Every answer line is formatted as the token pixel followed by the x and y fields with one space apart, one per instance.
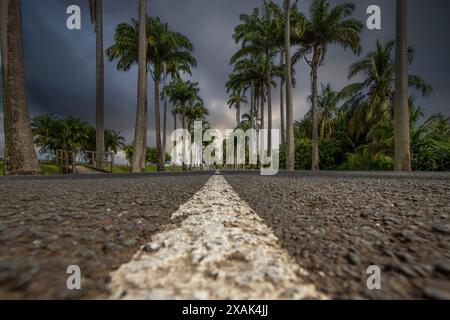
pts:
pixel 350 128
pixel 371 124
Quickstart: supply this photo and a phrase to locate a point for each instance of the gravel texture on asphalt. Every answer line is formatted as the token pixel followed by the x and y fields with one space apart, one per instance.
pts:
pixel 96 222
pixel 222 250
pixel 338 224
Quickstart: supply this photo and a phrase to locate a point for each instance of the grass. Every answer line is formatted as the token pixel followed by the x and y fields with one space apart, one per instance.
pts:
pixel 48 168
pixel 150 168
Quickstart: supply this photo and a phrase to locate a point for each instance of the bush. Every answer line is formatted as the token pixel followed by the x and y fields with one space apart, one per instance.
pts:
pixel 366 160
pixel 430 155
pixel 331 154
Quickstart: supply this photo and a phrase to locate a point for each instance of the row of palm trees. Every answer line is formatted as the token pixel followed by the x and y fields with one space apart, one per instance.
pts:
pixel 156 49
pixel 147 42
pixel 162 53
pixel 361 114
pixel 268 35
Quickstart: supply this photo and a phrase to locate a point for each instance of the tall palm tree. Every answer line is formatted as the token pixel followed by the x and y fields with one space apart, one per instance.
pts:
pixel 237 100
pixel 96 12
pixel 290 147
pixel 141 113
pixel 278 28
pixel 183 94
pixel 401 114
pixel 20 155
pixel 282 108
pixel 164 131
pixel 164 46
pixel 261 34
pixel 326 26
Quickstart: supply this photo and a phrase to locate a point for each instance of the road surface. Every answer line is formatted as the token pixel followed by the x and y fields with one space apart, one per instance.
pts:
pixel 187 235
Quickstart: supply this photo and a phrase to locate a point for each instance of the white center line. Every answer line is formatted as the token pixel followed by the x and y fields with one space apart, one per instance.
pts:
pixel 222 250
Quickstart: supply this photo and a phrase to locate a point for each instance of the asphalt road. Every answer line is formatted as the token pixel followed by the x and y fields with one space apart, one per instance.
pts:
pixel 334 225
pixel 96 222
pixel 338 224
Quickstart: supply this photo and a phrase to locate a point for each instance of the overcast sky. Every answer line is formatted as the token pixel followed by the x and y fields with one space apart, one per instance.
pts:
pixel 60 64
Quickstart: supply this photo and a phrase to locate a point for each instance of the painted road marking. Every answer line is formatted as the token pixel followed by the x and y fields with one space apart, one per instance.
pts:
pixel 221 250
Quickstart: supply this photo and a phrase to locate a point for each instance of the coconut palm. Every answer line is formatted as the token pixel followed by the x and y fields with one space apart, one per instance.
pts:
pixel 401 111
pixel 96 13
pixel 113 141
pixel 20 156
pixel 370 101
pixel 326 26
pixel 328 108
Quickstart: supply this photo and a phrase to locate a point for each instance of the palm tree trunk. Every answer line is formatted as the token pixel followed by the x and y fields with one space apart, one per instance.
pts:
pixel 290 147
pixel 158 123
pixel 282 120
pixel 251 102
pixel 315 116
pixel 263 100
pixel 144 128
pixel 252 105
pixel 401 111
pixel 183 125
pixel 238 115
pixel 256 116
pixel 139 134
pixel 269 116
pixel 164 139
pixel 20 155
pixel 174 125
pixel 100 95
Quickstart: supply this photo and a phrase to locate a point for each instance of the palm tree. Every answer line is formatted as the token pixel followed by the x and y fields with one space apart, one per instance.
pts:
pixel 141 110
pixel 183 95
pixel 237 100
pixel 96 12
pixel 164 47
pixel 20 156
pixel 114 141
pixel 401 114
pixel 328 109
pixel 164 131
pixel 290 147
pixel 278 28
pixel 246 122
pixel 326 26
pixel 262 40
pixel 371 101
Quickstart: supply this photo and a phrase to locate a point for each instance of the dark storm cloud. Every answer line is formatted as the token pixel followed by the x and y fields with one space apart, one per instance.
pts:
pixel 60 64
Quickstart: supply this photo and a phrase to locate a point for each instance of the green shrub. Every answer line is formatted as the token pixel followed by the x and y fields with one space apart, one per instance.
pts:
pixel 430 155
pixel 365 160
pixel 331 154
